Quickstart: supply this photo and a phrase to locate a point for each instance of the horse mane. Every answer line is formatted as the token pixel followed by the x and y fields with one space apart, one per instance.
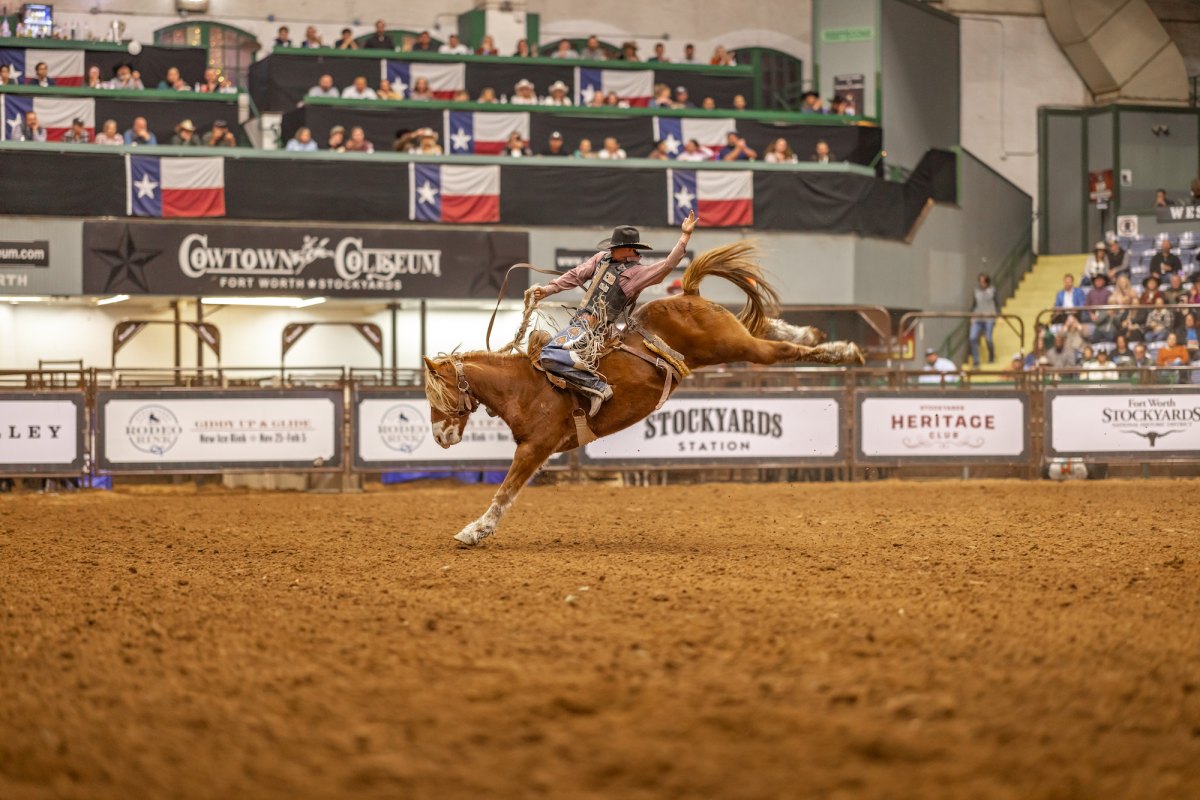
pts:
pixel 735 262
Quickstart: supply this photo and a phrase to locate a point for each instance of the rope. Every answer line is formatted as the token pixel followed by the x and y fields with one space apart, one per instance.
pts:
pixel 503 290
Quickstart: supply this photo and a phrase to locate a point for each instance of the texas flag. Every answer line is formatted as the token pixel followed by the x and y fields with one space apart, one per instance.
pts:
pixel 64 66
pixel 446 193
pixel 174 187
pixel 721 198
pixel 444 79
pixel 676 131
pixel 482 132
pixel 54 114
pixel 635 86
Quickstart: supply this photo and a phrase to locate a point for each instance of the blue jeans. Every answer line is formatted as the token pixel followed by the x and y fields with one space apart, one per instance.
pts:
pixel 557 358
pixel 984 327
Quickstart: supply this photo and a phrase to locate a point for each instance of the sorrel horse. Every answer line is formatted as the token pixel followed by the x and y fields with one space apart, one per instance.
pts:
pixel 543 417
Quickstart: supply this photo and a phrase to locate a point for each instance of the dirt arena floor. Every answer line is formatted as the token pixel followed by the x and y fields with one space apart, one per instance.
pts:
pixel 891 640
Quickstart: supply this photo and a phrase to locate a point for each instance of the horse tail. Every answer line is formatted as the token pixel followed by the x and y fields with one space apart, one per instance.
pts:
pixel 735 262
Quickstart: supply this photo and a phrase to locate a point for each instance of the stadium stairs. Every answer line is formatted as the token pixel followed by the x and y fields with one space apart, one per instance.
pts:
pixel 1035 292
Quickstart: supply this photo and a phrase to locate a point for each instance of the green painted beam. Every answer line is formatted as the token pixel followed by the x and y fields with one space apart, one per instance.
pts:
pixel 120 94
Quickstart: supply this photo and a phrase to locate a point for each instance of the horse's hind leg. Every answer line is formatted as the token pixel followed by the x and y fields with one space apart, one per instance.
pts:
pixel 528 458
pixel 766 351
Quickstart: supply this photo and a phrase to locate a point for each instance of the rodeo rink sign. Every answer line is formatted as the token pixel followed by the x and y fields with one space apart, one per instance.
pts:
pixel 1146 424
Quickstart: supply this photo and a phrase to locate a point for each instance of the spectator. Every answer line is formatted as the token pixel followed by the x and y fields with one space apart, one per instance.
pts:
pixel 283 38
pixel 386 92
pixel 1189 334
pixel 941 365
pixel 227 87
pixel 1173 354
pixel 1096 264
pixel 739 102
pixel 1118 259
pixel 585 149
pixel 1141 358
pixel 1075 333
pixel 337 139
pixel 420 90
pixel 1123 294
pixel 660 54
pixel 557 96
pixel 324 88
pixel 31 131
pixel 461 96
pixel 1017 364
pixel 427 142
pixel 611 100
pixel 359 90
pixel 1040 356
pixel 6 78
pixel 1105 322
pixel 41 75
pixel 312 39
pixel 593 51
pixel 487 47
pixel 823 155
pixel 302 142
pixel 524 94
pixel 780 152
pixel 1160 198
pixel 522 50
pixel 380 39
pixel 722 58
pixel 689 54
pixel 211 83
pixel 564 50
pixel 454 47
pixel 347 41
pixel 1101 368
pixel 139 133
pixel 681 98
pixel 171 78
pixel 629 52
pixel 516 146
pixel 90 81
pixel 660 151
pixel 612 149
pixel 662 97
pixel 1122 355
pixel 185 135
pixel 1175 293
pixel 487 95
pixel 1164 260
pixel 109 135
pixel 708 104
pixel 403 143
pixel 692 151
pixel 1194 297
pixel 1060 356
pixel 810 103
pixel 554 147
pixel 1150 293
pixel 125 78
pixel 984 304
pixel 736 149
pixel 1099 294
pixel 423 44
pixel 358 142
pixel 220 135
pixel 78 134
pixel 1159 321
pixel 1070 296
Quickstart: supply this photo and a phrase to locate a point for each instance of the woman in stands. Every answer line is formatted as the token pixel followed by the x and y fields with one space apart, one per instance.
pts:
pixel 487 95
pixel 692 151
pixel 487 47
pixel 522 50
pixel 109 134
pixel 780 152
pixel 516 146
pixel 421 90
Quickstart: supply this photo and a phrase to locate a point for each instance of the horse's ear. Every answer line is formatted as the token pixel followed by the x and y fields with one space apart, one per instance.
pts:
pixel 429 365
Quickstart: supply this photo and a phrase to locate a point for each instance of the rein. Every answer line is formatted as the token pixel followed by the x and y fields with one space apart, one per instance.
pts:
pixel 487 341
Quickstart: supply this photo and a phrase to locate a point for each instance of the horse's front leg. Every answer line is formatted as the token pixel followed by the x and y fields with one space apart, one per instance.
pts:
pixel 528 458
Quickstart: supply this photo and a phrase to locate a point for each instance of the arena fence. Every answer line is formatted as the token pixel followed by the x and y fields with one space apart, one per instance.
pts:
pixel 749 424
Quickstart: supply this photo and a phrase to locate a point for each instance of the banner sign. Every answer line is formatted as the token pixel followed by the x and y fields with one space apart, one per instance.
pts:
pixel 734 428
pixel 1189 213
pixel 212 259
pixel 942 426
pixel 150 431
pixel 39 255
pixel 41 433
pixel 1148 425
pixel 392 431
pixel 25 254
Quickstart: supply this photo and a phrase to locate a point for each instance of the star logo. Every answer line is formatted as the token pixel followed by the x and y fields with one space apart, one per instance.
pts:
pixel 588 93
pixel 15 74
pixel 684 198
pixel 145 187
pixel 400 87
pixel 672 144
pixel 126 262
pixel 14 129
pixel 426 193
pixel 460 141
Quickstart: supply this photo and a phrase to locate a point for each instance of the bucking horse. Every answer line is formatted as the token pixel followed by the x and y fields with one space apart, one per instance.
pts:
pixel 664 340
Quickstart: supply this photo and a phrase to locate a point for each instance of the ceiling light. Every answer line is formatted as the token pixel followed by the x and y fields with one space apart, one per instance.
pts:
pixel 267 302
pixel 116 298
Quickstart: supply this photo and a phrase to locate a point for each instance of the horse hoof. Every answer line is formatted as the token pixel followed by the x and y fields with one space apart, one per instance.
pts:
pixel 473 534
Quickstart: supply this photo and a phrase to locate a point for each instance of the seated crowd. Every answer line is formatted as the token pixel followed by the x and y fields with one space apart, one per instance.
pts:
pixel 138 133
pixel 125 77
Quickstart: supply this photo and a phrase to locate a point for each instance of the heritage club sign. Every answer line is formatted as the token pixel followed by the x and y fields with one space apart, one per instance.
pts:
pixel 948 426
pixel 210 258
pixel 1149 424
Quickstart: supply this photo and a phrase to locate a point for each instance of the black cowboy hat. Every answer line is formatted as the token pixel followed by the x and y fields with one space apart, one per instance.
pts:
pixel 1157 281
pixel 624 236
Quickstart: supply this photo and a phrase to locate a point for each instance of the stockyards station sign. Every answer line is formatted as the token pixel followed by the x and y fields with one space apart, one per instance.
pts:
pixel 1143 425
pixel 213 259
pixel 942 426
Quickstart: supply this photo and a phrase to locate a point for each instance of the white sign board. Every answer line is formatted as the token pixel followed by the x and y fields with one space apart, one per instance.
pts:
pixel 219 430
pixel 40 433
pixel 728 428
pixel 958 426
pixel 1147 424
pixel 394 432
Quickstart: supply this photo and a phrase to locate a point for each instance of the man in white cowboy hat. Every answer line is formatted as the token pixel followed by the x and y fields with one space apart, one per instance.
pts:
pixel 557 96
pixel 615 278
pixel 524 93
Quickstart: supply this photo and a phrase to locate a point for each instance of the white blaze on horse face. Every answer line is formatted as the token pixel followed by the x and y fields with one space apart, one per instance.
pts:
pixel 446 433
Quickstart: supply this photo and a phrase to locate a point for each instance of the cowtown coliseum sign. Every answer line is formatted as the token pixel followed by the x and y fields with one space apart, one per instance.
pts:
pixel 208 258
pixel 1113 423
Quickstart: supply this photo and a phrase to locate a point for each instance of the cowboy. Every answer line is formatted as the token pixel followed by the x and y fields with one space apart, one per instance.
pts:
pixel 617 278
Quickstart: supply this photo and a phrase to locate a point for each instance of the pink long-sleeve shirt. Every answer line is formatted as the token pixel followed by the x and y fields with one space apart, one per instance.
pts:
pixel 632 281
